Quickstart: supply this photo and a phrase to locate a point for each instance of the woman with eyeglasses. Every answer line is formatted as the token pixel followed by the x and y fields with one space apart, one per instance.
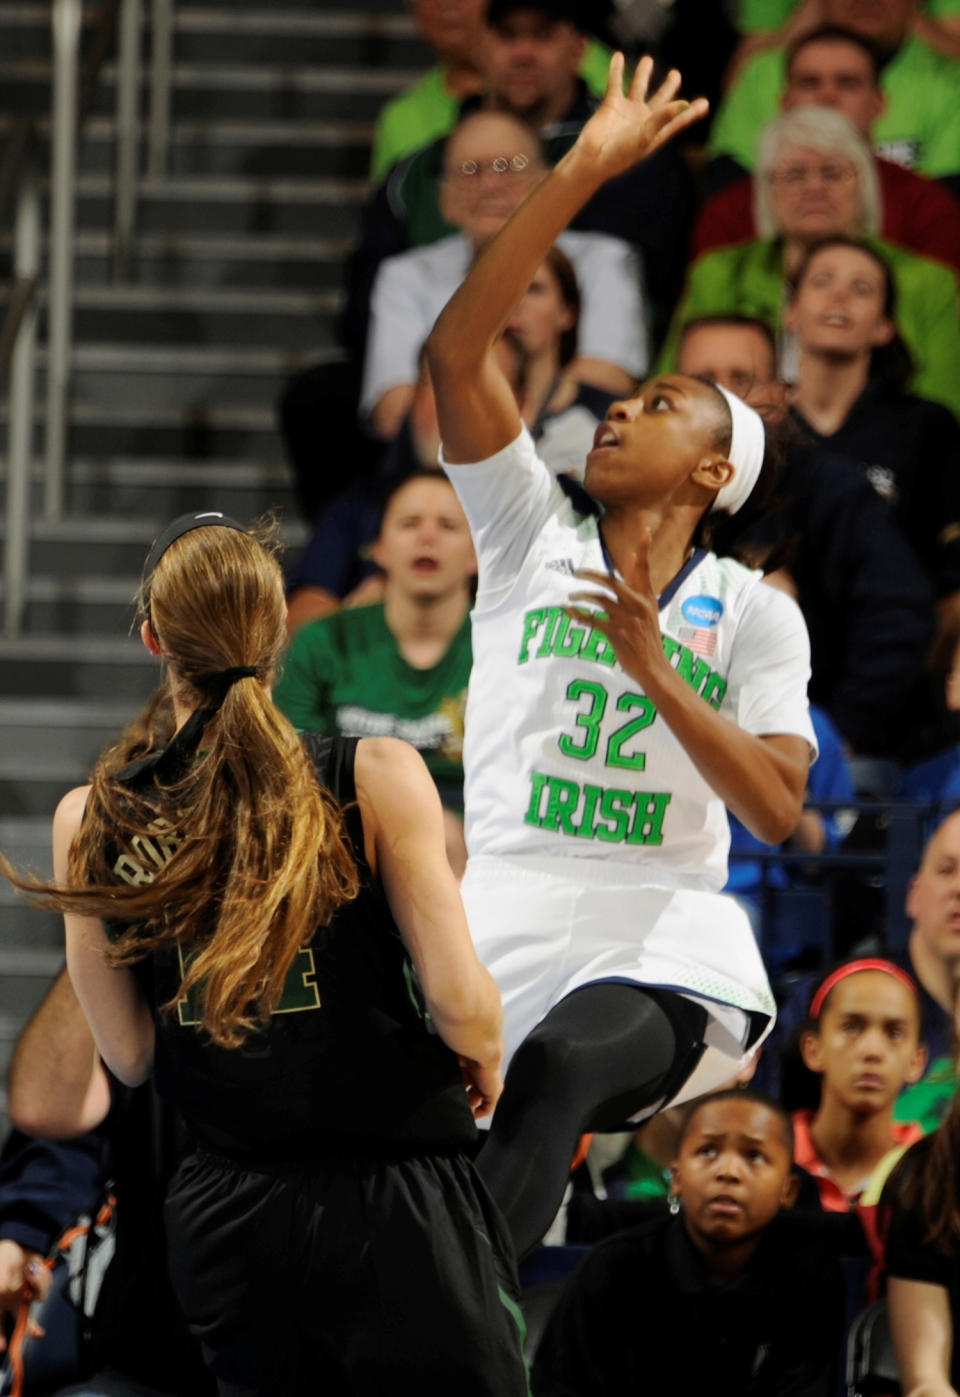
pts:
pixel 816 178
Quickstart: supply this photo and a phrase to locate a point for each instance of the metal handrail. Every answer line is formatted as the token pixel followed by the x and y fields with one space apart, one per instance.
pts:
pixel 73 98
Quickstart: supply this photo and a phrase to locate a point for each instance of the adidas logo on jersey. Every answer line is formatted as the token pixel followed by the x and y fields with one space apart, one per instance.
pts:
pixel 564 565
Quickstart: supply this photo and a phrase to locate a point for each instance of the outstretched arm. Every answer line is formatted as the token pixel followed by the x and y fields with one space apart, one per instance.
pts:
pixel 118 1015
pixel 403 830
pixel 476 408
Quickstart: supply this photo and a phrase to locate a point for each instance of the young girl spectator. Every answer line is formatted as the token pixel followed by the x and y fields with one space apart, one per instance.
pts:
pixel 722 1294
pixel 864 1044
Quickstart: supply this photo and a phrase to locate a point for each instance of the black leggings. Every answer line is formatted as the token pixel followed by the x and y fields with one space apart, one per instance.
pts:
pixel 599 1056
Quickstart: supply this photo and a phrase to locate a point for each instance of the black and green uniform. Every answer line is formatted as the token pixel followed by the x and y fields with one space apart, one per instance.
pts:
pixel 329 1233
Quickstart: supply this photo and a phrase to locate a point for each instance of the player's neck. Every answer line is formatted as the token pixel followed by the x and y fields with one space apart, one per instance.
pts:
pixel 424 627
pixel 671 533
pixel 827 388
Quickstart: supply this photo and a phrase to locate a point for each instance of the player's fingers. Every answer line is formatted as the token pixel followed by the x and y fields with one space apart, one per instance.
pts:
pixel 666 92
pixel 641 79
pixel 677 117
pixel 615 76
pixel 35 1330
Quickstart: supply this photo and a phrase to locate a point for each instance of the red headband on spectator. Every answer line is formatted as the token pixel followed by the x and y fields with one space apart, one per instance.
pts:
pixel 854 967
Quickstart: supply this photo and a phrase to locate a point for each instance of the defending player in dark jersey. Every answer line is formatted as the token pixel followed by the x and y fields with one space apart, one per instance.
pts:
pixel 299 978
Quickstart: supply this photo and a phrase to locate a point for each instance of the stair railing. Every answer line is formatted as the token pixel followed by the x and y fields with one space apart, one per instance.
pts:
pixel 72 99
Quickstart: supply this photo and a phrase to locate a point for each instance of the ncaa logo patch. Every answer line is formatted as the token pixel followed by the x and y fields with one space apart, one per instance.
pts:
pixel 702 611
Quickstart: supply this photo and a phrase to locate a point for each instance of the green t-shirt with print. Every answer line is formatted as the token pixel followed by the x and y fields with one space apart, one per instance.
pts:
pixel 918 127
pixel 345 674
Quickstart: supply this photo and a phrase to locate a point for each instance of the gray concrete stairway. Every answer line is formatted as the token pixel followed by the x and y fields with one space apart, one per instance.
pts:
pixel 235 285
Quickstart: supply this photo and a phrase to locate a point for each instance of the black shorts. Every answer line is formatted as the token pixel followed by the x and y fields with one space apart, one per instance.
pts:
pixel 356 1277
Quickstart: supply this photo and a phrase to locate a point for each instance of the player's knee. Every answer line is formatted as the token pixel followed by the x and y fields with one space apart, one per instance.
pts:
pixel 545 1065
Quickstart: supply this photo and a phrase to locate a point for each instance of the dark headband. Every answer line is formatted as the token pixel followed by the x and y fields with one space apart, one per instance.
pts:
pixel 185 524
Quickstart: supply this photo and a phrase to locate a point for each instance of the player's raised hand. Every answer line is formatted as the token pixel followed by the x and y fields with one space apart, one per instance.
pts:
pixel 625 129
pixel 631 619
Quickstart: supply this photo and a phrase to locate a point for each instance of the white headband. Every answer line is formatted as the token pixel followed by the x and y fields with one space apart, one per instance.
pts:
pixel 747 445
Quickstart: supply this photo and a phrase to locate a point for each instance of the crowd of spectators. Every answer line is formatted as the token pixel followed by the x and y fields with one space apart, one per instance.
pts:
pixel 803 251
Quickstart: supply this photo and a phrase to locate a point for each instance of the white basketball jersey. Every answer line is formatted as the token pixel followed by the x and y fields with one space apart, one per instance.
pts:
pixel 564 755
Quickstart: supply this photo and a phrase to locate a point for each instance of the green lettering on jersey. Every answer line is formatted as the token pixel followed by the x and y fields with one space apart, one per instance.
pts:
pixel 604 814
pixel 714 690
pixel 648 820
pixel 598 647
pixel 532 622
pixel 545 647
pixel 587 826
pixel 569 638
pixel 615 805
pixel 300 991
pixel 561 803
pixel 532 817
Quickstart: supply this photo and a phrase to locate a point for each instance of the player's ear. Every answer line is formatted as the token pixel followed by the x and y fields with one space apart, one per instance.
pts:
pixel 149 639
pixel 713 471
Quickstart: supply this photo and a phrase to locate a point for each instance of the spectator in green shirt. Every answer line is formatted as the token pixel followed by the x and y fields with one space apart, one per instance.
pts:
pixel 816 179
pixel 399 668
pixel 920 124
pixel 428 108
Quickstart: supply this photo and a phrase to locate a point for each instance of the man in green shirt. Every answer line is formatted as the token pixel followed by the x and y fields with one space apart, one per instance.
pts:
pixel 920 124
pixel 400 667
pixel 428 108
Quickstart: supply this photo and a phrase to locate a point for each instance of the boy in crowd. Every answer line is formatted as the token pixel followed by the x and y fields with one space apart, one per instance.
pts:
pixel 723 1294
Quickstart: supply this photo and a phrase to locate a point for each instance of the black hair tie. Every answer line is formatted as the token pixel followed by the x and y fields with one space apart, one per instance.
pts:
pixel 218 681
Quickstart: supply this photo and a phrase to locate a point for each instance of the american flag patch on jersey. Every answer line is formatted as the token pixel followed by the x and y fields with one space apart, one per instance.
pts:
pixel 701 639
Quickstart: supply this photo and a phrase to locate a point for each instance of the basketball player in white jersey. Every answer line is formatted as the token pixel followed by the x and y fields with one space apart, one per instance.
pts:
pixel 630 680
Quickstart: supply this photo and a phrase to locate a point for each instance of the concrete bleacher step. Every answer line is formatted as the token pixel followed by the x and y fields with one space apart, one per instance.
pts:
pixel 280 149
pixel 69 666
pixel 260 205
pixel 294 320
pixel 25 975
pixel 181 374
pixel 85 604
pixel 245 489
pixel 59 734
pixel 204 260
pixel 94 544
pixel 203 430
pixel 252 92
pixel 165 488
pixel 205 32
